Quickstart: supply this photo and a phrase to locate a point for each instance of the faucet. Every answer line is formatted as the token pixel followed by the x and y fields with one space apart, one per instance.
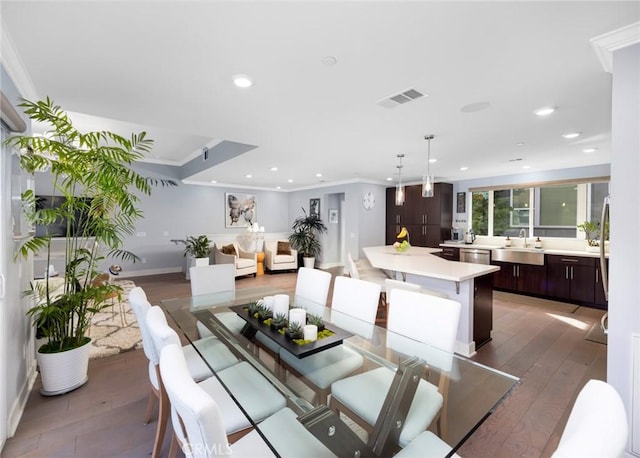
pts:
pixel 523 235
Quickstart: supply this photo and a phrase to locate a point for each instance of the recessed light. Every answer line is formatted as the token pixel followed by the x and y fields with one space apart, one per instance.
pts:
pixel 432 160
pixel 463 168
pixel 473 107
pixel 526 166
pixel 289 180
pixel 278 187
pixel 389 179
pixel 329 61
pixel 318 175
pixel 520 144
pixel 545 111
pixel 274 169
pixel 213 181
pixel 589 150
pixel 571 135
pixel 248 175
pixel 242 81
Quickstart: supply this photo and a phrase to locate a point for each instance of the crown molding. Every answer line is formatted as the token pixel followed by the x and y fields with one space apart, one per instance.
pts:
pixel 15 68
pixel 604 45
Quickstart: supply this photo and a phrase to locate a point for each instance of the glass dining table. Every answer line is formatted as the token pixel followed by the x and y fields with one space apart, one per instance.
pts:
pixel 304 371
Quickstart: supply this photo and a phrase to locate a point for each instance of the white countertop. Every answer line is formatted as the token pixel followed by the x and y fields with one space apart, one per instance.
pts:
pixel 586 254
pixel 421 261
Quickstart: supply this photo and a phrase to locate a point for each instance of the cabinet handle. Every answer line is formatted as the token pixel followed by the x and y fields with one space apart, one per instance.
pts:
pixel 518 270
pixel 568 260
pixel 566 272
pixel 571 272
pixel 514 271
pixel 597 276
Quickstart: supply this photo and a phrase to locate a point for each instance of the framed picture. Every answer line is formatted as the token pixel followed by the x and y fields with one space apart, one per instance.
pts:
pixel 461 201
pixel 333 215
pixel 314 207
pixel 240 209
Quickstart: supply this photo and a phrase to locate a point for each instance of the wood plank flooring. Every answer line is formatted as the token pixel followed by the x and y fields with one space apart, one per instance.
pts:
pixel 542 342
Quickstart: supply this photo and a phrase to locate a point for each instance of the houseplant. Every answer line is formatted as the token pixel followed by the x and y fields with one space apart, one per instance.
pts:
pixel 198 247
pixel 91 174
pixel 591 232
pixel 305 237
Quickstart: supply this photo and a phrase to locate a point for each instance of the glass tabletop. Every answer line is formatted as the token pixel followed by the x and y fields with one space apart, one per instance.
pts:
pixel 304 372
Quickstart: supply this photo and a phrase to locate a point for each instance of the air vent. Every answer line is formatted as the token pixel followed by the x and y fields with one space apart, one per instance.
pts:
pixel 398 99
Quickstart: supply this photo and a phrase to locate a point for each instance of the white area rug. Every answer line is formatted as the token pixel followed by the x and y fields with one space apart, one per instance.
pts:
pixel 108 335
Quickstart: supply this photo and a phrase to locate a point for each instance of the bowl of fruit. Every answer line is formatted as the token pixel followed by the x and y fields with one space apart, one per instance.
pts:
pixel 402 241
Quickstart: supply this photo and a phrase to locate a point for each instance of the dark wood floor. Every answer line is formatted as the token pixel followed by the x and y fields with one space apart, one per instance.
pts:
pixel 542 342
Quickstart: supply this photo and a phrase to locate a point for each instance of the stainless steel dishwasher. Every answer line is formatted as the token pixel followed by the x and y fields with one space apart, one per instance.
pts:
pixel 475 255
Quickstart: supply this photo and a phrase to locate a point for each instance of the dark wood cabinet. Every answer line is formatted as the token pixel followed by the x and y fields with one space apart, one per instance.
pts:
pixel 600 300
pixel 520 278
pixel 428 220
pixel 571 278
pixel 482 309
pixel 450 253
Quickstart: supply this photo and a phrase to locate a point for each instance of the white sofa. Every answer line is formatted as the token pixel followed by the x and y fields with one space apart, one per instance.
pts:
pixel 274 261
pixel 246 263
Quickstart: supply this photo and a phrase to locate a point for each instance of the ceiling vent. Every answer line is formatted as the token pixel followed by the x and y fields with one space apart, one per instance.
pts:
pixel 398 99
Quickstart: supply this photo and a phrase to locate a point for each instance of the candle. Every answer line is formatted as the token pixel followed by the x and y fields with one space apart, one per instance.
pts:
pixel 281 304
pixel 267 301
pixel 298 316
pixel 311 332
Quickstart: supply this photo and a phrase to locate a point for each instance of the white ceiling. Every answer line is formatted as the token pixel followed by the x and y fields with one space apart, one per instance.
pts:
pixel 167 68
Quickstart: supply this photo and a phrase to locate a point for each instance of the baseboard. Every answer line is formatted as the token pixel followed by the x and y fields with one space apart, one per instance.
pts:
pixel 144 273
pixel 17 409
pixel 330 265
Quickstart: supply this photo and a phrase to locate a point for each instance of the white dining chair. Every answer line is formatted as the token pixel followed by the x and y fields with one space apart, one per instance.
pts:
pixel 197 368
pixel 257 396
pixel 201 421
pixel 312 285
pixel 597 424
pixel 215 279
pixel 357 299
pixel 426 445
pixel 372 275
pixel 397 284
pixel 414 319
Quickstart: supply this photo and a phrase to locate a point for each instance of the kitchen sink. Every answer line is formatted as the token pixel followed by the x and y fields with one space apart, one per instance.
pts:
pixel 533 256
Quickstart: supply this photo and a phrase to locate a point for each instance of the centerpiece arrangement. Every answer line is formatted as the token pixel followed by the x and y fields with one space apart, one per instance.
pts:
pixel 294 329
pixel 402 241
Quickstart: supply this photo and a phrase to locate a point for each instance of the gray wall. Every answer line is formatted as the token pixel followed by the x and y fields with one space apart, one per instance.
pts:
pixel 361 227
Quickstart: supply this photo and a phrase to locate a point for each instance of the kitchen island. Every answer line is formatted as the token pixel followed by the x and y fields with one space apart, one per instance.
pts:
pixel 469 284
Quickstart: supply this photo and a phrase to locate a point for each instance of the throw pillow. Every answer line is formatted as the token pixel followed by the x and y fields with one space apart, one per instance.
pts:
pixel 283 248
pixel 229 249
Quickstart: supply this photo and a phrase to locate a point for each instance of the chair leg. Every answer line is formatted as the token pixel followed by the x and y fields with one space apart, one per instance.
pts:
pixel 150 403
pixel 173 448
pixel 163 417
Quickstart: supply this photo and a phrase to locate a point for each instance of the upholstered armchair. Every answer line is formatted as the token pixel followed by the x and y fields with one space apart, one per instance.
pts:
pixel 278 255
pixel 245 262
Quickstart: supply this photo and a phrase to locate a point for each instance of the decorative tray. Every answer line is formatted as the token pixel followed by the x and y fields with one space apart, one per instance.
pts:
pixel 300 351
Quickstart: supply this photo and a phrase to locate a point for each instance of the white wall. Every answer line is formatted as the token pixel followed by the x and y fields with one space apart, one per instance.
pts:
pixel 17 357
pixel 624 287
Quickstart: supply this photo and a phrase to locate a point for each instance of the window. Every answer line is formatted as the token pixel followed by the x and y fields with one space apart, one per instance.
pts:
pixel 552 210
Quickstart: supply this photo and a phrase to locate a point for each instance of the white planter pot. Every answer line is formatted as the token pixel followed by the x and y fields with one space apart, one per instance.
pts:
pixel 65 371
pixel 309 262
pixel 200 262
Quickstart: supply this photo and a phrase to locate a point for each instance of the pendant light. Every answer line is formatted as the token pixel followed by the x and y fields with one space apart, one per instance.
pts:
pixel 427 179
pixel 400 186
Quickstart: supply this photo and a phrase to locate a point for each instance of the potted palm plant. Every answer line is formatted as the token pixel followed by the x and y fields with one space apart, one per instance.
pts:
pixel 305 237
pixel 92 176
